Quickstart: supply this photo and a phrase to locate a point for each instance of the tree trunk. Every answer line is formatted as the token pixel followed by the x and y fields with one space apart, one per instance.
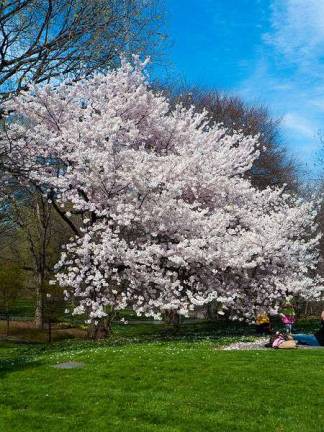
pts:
pixel 49 331
pixel 39 308
pixel 102 330
pixel 98 331
pixel 8 323
pixel 172 317
pixel 211 311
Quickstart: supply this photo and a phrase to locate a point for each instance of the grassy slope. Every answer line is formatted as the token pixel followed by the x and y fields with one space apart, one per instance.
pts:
pixel 165 386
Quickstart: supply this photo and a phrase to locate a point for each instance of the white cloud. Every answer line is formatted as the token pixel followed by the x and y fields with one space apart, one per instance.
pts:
pixel 318 103
pixel 289 73
pixel 300 124
pixel 297 30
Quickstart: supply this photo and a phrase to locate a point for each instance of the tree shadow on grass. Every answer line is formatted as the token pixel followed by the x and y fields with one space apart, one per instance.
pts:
pixel 17 356
pixel 10 365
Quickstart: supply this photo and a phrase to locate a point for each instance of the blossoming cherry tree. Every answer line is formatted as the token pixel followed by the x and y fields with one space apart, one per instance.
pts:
pixel 169 220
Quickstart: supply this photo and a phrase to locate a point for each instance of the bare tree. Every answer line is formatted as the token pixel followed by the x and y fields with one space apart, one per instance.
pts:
pixel 41 40
pixel 11 285
pixel 35 247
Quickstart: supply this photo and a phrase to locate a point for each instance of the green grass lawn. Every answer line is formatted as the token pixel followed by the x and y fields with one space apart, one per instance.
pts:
pixel 165 386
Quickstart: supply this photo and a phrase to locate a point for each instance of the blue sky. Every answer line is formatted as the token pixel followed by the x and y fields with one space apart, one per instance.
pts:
pixel 270 52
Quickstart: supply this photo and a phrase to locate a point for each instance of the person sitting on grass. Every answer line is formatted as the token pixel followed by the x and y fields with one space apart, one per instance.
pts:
pixel 316 339
pixel 281 341
pixel 287 314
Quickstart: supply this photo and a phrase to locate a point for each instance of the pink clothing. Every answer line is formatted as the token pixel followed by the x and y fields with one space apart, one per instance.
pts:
pixel 288 319
pixel 278 341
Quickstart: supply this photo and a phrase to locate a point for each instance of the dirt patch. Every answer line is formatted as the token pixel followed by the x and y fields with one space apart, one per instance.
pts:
pixel 69 365
pixel 26 331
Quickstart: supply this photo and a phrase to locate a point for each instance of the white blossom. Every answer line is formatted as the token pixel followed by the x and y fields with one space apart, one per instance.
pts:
pixel 170 221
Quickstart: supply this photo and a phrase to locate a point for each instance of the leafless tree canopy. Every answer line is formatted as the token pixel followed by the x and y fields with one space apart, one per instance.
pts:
pixel 45 39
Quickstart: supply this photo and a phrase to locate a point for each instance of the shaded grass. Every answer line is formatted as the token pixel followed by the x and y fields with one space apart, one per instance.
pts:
pixel 31 340
pixel 146 331
pixel 25 331
pixel 162 386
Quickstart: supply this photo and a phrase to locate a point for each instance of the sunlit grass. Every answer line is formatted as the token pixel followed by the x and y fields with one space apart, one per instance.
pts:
pixel 184 385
